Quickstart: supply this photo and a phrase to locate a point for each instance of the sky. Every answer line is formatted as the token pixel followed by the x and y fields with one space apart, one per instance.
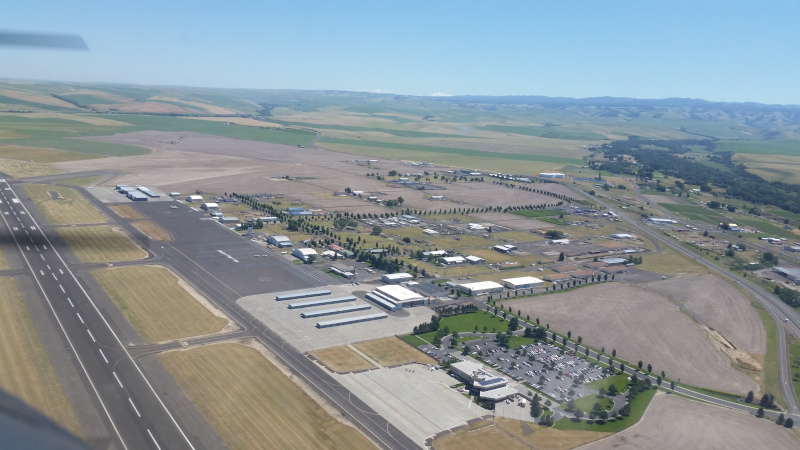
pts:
pixel 715 50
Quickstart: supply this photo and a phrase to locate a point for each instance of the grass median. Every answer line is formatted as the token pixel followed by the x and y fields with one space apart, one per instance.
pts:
pixel 70 209
pixel 252 404
pixel 25 368
pixel 100 244
pixel 155 304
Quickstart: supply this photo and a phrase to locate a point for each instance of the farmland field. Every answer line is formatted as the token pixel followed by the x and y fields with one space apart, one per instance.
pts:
pixel 767 147
pixel 96 244
pixel 252 404
pixel 696 213
pixel 70 209
pixel 21 169
pixel 655 331
pixel 675 422
pixel 159 310
pixel 512 435
pixel 42 155
pixel 25 369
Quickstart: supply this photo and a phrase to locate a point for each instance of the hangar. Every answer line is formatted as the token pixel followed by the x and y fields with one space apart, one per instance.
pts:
pixel 480 287
pixel 395 298
pixel 523 282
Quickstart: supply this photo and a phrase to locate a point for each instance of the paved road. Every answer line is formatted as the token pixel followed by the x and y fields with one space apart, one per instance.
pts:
pixel 224 297
pixel 124 396
pixel 778 310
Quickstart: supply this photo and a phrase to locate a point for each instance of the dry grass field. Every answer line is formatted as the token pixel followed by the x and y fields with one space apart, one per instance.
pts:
pixel 675 422
pixel 639 324
pixel 514 434
pixel 126 212
pixel 81 181
pixel 391 351
pixel 16 168
pixel 238 120
pixel 25 369
pixel 720 306
pixel 42 155
pixel 160 309
pixel 70 209
pixel 784 168
pixel 252 404
pixel 36 98
pixel 153 231
pixel 3 262
pixel 342 359
pixel 97 244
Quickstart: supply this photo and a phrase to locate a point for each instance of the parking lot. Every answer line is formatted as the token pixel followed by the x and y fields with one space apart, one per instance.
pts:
pixel 541 366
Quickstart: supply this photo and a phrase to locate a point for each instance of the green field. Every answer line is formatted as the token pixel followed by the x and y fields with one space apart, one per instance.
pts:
pixel 252 404
pixel 25 368
pixel 98 244
pixel 42 155
pixel 586 404
pixel 767 147
pixel 378 128
pixel 545 132
pixel 468 322
pixel 794 362
pixel 697 213
pixel 160 309
pixel 537 213
pixel 620 380
pixel 69 210
pixel 638 407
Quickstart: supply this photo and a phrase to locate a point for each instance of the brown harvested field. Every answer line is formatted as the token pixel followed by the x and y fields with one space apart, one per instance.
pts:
pixel 126 212
pixel 43 155
pixel 719 305
pixel 3 262
pixel 672 200
pixel 36 98
pixel 153 231
pixel 342 359
pixel 70 209
pixel 25 369
pixel 675 422
pixel 641 325
pixel 252 404
pixel 97 244
pixel 208 107
pixel 160 309
pixel 391 351
pixel 514 434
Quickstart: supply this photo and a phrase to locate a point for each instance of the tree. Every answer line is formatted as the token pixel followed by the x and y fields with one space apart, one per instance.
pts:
pixel 578 413
pixel 659 380
pixel 614 352
pixel 750 397
pixel 640 364
pixel 672 385
pixel 554 234
pixel 612 390
pixel 789 423
pixel 376 230
pixel 602 391
pixel 760 412
pixel 569 334
pixel 561 256
pixel 650 368
pixel 767 401
pixel 513 324
pixel 781 420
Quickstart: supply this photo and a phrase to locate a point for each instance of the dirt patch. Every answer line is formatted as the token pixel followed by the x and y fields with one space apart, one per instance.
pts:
pixel 720 306
pixel 342 359
pixel 743 359
pixel 392 351
pixel 675 422
pixel 153 231
pixel 641 325
pixel 126 212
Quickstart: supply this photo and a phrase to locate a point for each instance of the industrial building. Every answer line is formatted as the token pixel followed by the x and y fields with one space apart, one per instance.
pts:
pixel 792 248
pixel 305 254
pixel 622 236
pixel 349 320
pixel 435 253
pixel 452 260
pixel 791 273
pixel 210 206
pixel 396 278
pixel 614 261
pixel 322 302
pixel 504 248
pixel 343 271
pixel 557 278
pixel 475 259
pixel 430 232
pixel 194 198
pixel 522 282
pixel 279 241
pixel 394 297
pixel 299 295
pixel 660 221
pixel 136 196
pixel 566 268
pixel 480 288
pixel 228 219
pixel 148 192
pixel 551 175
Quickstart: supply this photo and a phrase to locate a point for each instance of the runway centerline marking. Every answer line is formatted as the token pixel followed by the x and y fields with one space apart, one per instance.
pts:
pixel 134 408
pixel 79 317
pixel 90 335
pixel 120 382
pixel 103 355
pixel 70 302
pixel 154 439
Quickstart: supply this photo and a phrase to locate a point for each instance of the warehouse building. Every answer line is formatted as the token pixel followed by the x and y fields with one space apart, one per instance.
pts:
pixel 210 206
pixel 452 260
pixel 137 196
pixel 228 219
pixel 475 260
pixel 194 198
pixel 504 248
pixel 551 175
pixel 614 261
pixel 305 254
pixel 660 221
pixel 557 278
pixel 396 278
pixel 791 273
pixel 435 253
pixel 342 270
pixel 279 241
pixel 394 297
pixel 480 288
pixel 523 282
pixel 792 248
pixel 622 236
pixel 566 268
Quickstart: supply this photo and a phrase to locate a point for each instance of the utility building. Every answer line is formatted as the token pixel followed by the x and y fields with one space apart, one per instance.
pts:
pixel 279 241
pixel 480 288
pixel 523 282
pixel 209 206
pixel 194 198
pixel 396 278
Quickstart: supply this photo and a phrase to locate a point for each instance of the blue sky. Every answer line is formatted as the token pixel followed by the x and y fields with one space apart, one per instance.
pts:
pixel 715 50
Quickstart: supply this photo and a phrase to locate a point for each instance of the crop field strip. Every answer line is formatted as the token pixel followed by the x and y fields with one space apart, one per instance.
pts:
pixel 25 369
pixel 160 309
pixel 72 209
pixel 98 244
pixel 233 380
